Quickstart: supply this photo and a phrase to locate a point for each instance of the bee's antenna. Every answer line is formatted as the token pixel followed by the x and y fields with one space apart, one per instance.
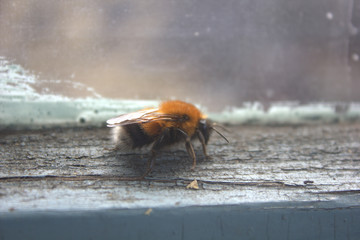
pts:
pixel 221 126
pixel 212 127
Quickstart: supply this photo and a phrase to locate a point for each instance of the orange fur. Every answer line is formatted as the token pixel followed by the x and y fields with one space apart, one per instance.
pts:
pixel 182 108
pixel 178 108
pixel 152 128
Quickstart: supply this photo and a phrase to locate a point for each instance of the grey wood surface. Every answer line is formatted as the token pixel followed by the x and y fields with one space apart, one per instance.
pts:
pixel 73 169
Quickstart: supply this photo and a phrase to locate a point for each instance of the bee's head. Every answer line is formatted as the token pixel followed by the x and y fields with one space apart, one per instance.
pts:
pixel 206 126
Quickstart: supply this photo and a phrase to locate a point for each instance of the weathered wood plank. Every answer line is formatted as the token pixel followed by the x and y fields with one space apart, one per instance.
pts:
pixel 73 169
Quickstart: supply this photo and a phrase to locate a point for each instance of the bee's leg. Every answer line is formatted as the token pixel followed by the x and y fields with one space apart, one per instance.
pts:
pixel 150 164
pixel 202 140
pixel 189 148
pixel 156 146
pixel 191 152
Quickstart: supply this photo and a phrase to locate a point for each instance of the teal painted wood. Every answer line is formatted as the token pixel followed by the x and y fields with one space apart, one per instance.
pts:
pixel 261 221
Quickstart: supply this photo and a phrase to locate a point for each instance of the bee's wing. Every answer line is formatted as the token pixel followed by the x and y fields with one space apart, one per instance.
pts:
pixel 130 118
pixel 142 116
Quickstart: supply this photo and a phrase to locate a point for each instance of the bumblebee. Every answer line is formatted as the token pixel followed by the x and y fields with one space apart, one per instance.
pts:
pixel 172 122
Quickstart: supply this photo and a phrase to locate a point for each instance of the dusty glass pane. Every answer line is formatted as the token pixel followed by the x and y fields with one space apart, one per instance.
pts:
pixel 216 53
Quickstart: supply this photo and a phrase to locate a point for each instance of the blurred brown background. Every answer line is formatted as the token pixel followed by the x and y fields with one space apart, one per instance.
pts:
pixel 212 52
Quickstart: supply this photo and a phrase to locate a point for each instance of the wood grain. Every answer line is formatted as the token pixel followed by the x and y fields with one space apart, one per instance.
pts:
pixel 73 168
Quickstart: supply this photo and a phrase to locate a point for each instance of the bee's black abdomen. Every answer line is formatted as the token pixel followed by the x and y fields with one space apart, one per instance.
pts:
pixel 137 135
pixel 168 136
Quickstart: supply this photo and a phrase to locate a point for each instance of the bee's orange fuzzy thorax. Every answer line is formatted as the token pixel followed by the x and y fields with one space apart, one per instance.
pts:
pixel 182 108
pixel 178 108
